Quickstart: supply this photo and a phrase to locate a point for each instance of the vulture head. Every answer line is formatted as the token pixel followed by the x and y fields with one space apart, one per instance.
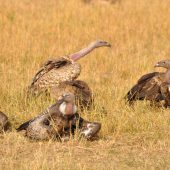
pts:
pixel 100 43
pixel 67 106
pixel 96 44
pixel 67 97
pixel 163 63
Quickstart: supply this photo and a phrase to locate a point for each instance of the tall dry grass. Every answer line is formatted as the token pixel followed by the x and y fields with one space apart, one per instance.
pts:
pixel 33 31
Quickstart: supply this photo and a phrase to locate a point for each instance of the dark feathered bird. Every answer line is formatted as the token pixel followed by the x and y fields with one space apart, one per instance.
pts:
pixel 58 120
pixel 4 124
pixel 56 71
pixel 165 85
pixel 80 89
pixel 151 86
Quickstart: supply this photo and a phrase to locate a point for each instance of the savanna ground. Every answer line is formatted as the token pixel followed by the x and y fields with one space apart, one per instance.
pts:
pixel 33 31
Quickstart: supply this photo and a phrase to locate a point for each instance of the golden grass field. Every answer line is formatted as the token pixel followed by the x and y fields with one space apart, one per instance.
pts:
pixel 33 31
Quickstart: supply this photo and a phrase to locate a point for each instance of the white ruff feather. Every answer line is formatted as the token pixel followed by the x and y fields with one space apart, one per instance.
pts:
pixel 62 108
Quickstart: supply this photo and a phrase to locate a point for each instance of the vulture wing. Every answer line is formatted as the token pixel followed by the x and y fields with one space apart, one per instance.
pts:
pixel 49 65
pixel 165 91
pixel 147 87
pixel 79 88
pixel 84 93
pixel 46 113
pixel 24 126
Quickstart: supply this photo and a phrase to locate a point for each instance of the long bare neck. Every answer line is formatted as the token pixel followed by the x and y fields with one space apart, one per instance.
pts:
pixel 82 52
pixel 167 76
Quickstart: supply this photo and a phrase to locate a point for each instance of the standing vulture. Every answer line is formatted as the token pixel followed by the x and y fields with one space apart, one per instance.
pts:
pixel 56 71
pixel 60 120
pixel 152 86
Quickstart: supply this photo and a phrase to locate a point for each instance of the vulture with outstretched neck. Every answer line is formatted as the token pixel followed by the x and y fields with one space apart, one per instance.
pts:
pixel 59 120
pixel 152 86
pixel 66 68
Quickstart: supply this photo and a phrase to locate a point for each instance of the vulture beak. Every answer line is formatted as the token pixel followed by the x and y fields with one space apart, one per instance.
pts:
pixel 157 65
pixel 108 45
pixel 161 64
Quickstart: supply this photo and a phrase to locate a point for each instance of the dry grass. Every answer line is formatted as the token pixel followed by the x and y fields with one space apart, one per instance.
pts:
pixel 32 31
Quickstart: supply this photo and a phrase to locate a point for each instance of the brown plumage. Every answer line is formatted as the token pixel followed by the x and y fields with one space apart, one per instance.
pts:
pixel 151 86
pixel 60 119
pixel 52 73
pixel 79 88
pixel 56 71
pixel 4 124
pixel 165 91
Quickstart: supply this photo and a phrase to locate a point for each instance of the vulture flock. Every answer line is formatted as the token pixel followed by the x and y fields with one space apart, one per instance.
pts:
pixel 58 78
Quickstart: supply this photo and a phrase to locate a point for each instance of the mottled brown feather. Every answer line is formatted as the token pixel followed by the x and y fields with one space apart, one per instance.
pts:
pixel 52 73
pixel 165 91
pixel 3 122
pixel 147 87
pixel 51 123
pixel 46 125
pixel 79 88
pixel 50 64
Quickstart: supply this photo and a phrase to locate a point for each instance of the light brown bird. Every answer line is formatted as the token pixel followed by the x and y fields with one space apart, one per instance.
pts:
pixel 4 124
pixel 60 119
pixel 153 86
pixel 59 70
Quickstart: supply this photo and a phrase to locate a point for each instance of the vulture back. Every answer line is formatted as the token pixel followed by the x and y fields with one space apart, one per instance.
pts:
pixel 147 87
pixel 52 73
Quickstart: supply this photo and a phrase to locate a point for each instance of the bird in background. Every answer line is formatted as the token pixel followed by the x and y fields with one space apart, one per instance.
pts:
pixel 152 86
pixel 79 88
pixel 60 120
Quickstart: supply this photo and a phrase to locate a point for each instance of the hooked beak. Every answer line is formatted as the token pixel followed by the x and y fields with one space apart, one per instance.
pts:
pixel 108 45
pixel 157 65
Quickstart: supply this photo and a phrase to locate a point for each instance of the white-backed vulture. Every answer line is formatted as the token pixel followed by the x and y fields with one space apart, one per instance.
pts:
pixel 59 120
pixel 153 86
pixel 65 68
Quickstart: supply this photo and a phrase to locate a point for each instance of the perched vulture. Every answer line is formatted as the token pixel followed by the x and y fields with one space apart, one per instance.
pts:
pixel 153 86
pixel 4 124
pixel 56 71
pixel 80 89
pixel 59 120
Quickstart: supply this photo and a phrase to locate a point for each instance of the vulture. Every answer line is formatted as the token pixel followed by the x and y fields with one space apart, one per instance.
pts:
pixel 152 86
pixel 64 72
pixel 60 120
pixel 80 89
pixel 4 124
pixel 65 68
